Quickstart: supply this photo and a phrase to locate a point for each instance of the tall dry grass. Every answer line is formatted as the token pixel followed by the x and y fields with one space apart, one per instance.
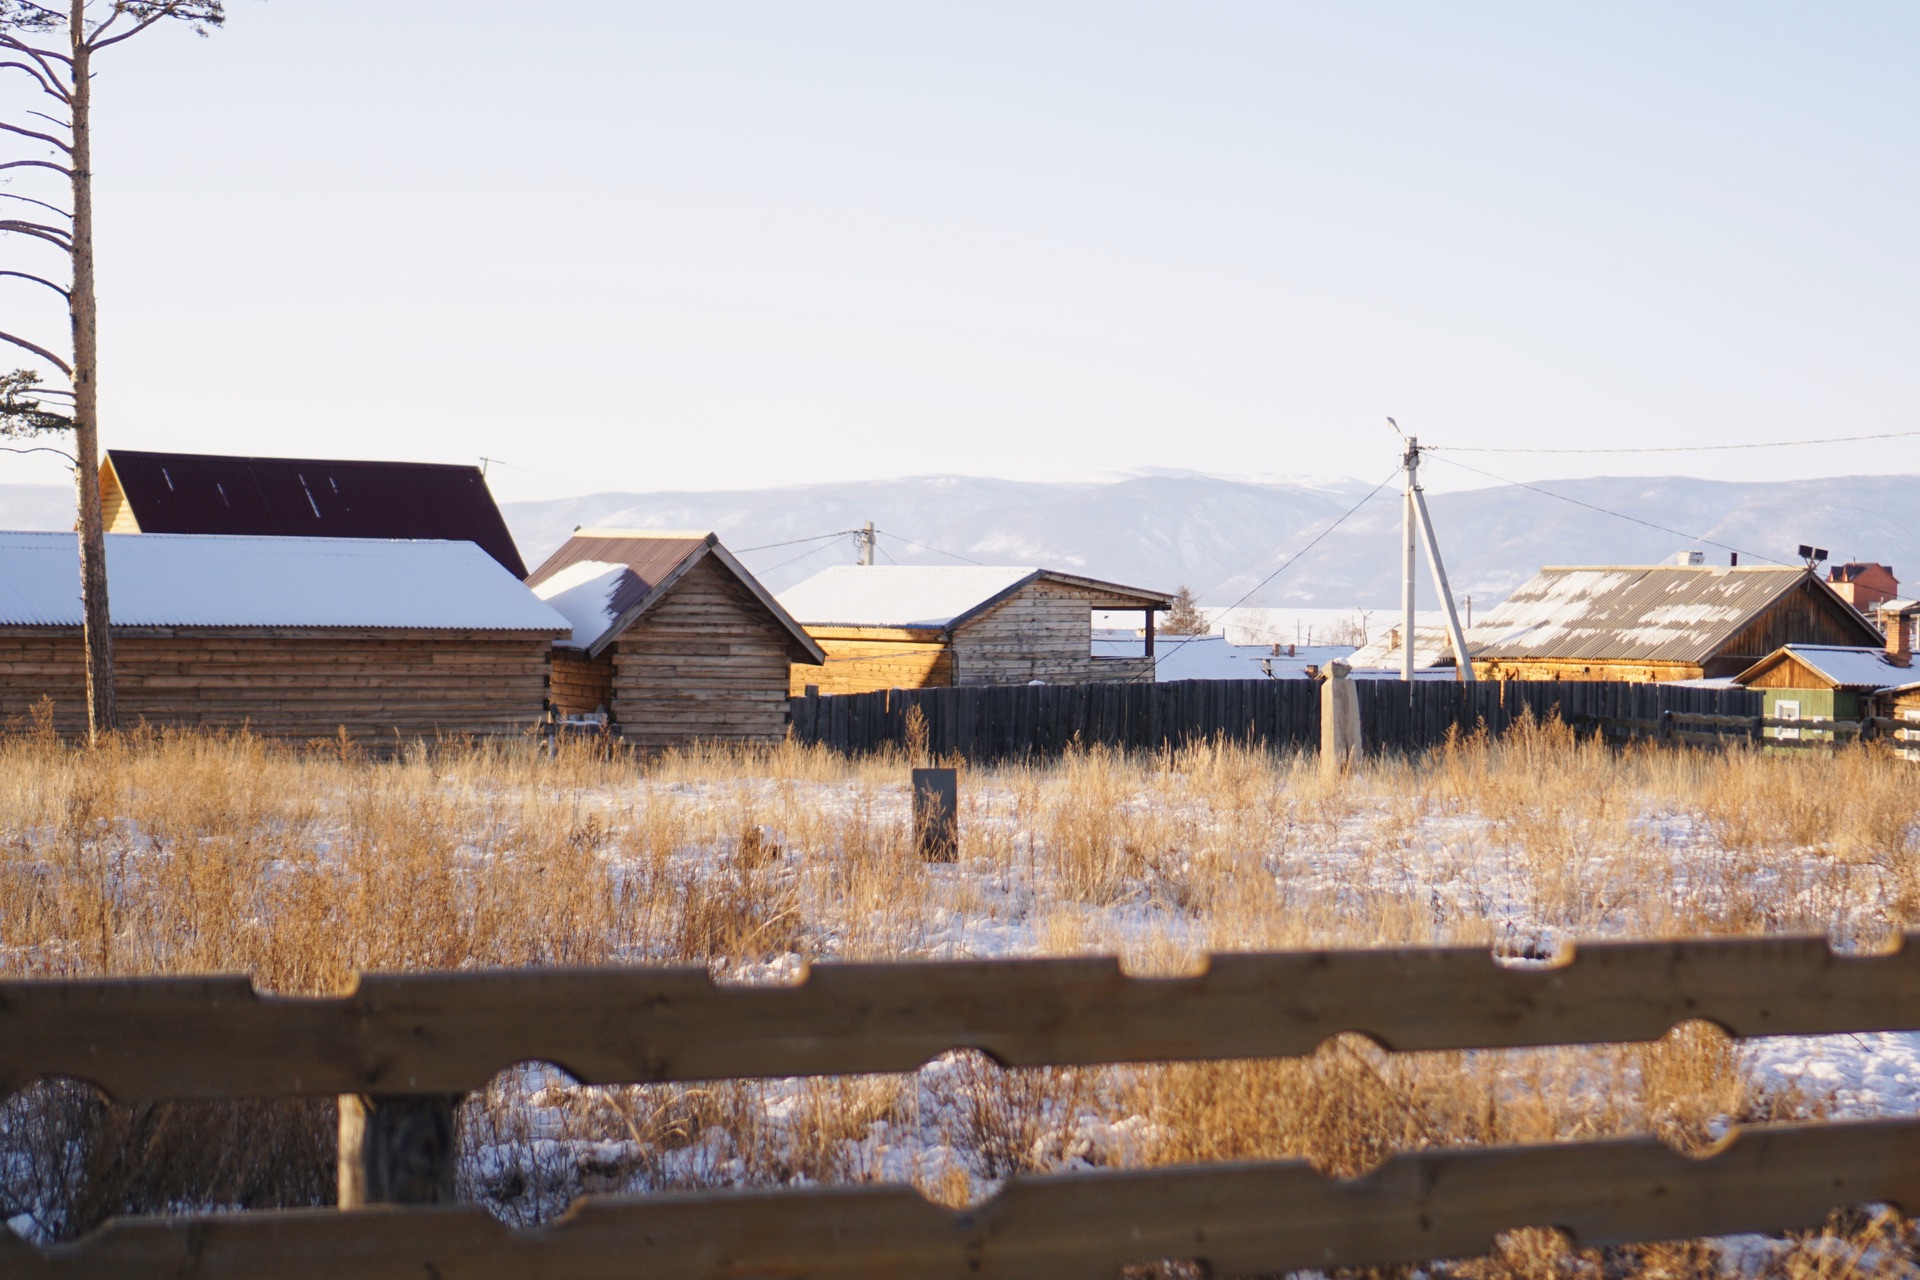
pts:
pixel 166 853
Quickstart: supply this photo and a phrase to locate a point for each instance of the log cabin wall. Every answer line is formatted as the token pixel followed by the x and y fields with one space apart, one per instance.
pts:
pixel 293 684
pixel 1586 670
pixel 1805 615
pixel 861 659
pixel 1044 631
pixel 708 662
pixel 581 686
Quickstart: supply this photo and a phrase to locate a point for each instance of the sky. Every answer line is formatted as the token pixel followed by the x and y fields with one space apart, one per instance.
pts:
pixel 623 245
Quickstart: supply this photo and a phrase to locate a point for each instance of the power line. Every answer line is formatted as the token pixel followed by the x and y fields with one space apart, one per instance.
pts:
pixel 810 551
pixel 1679 448
pixel 816 538
pixel 1621 515
pixel 936 550
pixel 1289 562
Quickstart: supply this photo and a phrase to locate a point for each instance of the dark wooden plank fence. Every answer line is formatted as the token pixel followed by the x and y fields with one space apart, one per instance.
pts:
pixel 1003 722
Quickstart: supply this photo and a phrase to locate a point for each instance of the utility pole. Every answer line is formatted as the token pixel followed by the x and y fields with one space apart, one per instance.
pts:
pixel 865 539
pixel 1417 518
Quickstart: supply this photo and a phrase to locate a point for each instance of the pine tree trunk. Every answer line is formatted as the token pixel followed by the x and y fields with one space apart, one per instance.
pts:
pixel 96 632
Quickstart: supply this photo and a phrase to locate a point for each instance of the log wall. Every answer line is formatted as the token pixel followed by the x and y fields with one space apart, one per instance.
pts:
pixel 860 659
pixel 1042 632
pixel 290 684
pixel 709 662
pixel 581 686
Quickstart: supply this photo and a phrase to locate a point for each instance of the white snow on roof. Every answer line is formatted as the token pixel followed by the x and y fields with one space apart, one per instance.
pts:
pixel 180 580
pixel 583 593
pixel 1431 648
pixel 896 595
pixel 1214 658
pixel 1852 668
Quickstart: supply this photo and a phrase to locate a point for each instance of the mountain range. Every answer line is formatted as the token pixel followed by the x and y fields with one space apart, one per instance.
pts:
pixel 1282 542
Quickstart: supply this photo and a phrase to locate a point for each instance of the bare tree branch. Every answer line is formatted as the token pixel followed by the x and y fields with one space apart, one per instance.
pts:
pixel 37 164
pixel 44 448
pixel 50 208
pixel 47 138
pixel 39 231
pixel 40 351
pixel 22 275
pixel 55 121
pixel 200 14
pixel 46 86
pixel 39 55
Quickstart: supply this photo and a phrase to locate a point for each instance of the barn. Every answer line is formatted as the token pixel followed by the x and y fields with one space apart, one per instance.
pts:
pixel 144 492
pixel 1644 623
pixel 289 637
pixel 918 626
pixel 672 639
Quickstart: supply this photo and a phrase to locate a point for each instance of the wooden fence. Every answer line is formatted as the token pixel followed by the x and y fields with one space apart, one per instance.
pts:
pixel 398 1037
pixel 998 722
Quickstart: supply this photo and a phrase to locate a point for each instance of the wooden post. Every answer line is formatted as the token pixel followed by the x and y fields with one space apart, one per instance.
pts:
pixel 936 814
pixel 1339 720
pixel 396 1149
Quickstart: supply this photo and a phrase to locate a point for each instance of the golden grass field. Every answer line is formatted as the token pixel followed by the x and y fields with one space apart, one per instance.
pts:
pixel 180 854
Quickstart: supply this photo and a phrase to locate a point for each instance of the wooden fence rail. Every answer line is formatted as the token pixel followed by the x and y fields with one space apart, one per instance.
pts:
pixel 426 1034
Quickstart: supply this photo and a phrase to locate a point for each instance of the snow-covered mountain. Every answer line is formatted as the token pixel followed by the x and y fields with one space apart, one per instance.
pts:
pixel 1223 535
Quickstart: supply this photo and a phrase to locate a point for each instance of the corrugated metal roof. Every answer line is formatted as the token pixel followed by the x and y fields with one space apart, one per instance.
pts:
pixel 604 579
pixel 1664 613
pixel 313 498
pixel 1847 668
pixel 176 580
pixel 931 595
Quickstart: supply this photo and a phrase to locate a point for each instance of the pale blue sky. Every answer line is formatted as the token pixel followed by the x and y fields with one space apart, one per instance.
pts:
pixel 714 244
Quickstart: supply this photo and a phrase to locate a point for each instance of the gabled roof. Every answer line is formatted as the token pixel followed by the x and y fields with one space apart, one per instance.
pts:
pixel 1843 668
pixel 170 580
pixel 603 580
pixel 1432 648
pixel 1640 613
pixel 934 596
pixel 310 497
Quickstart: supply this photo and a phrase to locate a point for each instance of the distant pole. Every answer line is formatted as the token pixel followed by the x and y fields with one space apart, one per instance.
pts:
pixel 866 544
pixel 1409 520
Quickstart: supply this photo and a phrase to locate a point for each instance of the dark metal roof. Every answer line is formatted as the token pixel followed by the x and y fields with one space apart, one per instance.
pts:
pixel 1637 613
pixel 650 564
pixel 314 498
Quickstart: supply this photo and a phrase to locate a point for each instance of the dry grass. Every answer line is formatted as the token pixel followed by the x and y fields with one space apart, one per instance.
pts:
pixel 177 853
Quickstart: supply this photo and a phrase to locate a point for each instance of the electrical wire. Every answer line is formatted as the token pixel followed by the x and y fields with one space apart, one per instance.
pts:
pixel 810 551
pixel 1620 515
pixel 818 537
pixel 1289 563
pixel 936 550
pixel 1677 448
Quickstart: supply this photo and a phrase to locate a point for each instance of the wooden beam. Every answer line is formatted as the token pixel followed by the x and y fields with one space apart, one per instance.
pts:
pixel 158 1038
pixel 1240 1219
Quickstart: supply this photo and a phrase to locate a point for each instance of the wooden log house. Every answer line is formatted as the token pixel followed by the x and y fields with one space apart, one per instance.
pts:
pixel 295 638
pixel 672 639
pixel 1649 623
pixel 921 626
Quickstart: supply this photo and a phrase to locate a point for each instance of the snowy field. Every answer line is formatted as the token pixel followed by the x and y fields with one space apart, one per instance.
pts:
pixel 302 867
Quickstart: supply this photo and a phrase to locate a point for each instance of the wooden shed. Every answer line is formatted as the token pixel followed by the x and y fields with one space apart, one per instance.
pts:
pixel 1825 682
pixel 1659 623
pixel 914 627
pixel 289 637
pixel 672 639
pixel 144 492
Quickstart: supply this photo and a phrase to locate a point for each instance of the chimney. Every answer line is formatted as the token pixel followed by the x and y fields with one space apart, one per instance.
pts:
pixel 1899 636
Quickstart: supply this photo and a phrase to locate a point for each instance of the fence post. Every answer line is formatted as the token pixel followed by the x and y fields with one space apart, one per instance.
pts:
pixel 936 814
pixel 1339 720
pixel 396 1149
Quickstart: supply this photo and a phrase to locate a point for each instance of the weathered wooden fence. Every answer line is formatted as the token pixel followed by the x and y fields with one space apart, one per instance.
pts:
pixel 399 1037
pixel 987 722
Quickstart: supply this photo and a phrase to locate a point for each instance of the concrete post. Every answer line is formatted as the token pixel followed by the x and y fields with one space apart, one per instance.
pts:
pixel 1339 720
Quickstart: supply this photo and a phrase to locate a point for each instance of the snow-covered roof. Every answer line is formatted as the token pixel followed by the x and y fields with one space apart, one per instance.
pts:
pixel 928 595
pixel 1431 648
pixel 1844 667
pixel 1638 613
pixel 1214 658
pixel 188 580
pixel 604 580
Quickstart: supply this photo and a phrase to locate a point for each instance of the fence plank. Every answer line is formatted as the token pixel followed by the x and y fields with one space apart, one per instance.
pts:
pixel 1268 1217
pixel 451 1032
